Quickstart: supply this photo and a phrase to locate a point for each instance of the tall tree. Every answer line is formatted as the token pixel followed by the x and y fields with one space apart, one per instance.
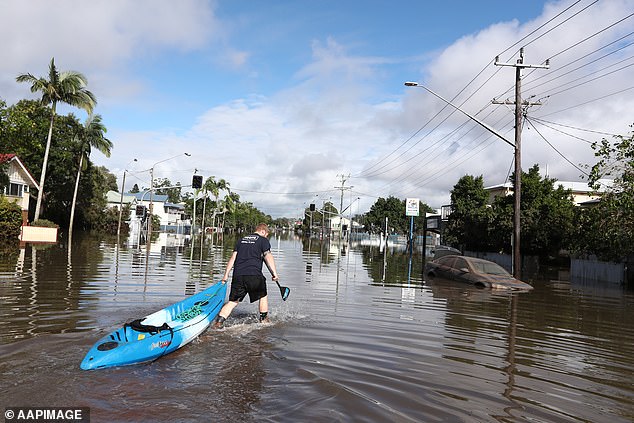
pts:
pixel 393 209
pixel 90 135
pixel 470 217
pixel 607 230
pixel 547 216
pixel 214 187
pixel 67 87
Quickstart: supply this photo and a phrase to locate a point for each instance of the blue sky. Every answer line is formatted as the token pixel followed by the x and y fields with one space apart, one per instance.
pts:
pixel 281 97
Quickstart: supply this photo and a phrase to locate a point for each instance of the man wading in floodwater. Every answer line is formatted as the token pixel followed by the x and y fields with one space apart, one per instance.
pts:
pixel 246 260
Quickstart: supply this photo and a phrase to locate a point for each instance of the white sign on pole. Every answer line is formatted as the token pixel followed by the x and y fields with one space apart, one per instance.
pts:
pixel 411 206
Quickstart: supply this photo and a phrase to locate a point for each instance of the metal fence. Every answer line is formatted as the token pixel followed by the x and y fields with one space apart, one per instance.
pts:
pixel 581 270
pixel 597 271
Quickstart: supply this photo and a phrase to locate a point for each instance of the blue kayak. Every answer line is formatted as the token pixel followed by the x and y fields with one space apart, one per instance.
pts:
pixel 159 333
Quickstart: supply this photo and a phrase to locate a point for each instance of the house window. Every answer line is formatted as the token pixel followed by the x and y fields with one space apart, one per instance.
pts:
pixel 15 190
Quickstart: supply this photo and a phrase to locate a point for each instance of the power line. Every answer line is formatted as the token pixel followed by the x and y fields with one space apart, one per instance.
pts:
pixel 575 45
pixel 546 23
pixel 563 22
pixel 281 193
pixel 583 66
pixel 589 101
pixel 585 82
pixel 451 164
pixel 542 121
pixel 554 148
pixel 543 25
pixel 367 173
pixel 595 34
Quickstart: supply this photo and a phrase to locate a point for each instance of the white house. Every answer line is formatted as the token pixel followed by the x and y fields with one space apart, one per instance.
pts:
pixel 172 215
pixel 337 221
pixel 20 183
pixel 581 192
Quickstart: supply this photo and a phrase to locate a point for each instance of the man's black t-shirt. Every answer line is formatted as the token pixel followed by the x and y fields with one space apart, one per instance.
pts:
pixel 251 251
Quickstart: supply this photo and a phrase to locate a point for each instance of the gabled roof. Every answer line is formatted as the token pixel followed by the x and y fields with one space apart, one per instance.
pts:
pixel 14 158
pixel 6 157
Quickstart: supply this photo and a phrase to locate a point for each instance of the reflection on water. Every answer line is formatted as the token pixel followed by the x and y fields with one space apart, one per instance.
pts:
pixel 363 337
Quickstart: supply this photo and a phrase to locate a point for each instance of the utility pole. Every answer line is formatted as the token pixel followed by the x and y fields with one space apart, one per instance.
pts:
pixel 517 263
pixel 344 178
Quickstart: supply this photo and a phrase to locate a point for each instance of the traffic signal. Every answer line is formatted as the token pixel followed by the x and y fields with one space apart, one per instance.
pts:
pixel 140 210
pixel 312 207
pixel 197 181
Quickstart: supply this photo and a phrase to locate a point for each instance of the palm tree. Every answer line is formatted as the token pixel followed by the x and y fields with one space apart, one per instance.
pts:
pixel 89 136
pixel 67 87
pixel 213 186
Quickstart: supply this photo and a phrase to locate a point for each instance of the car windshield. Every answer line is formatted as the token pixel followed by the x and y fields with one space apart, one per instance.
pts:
pixel 489 268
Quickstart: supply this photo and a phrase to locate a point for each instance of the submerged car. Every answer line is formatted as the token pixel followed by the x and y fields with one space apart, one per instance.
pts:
pixel 474 271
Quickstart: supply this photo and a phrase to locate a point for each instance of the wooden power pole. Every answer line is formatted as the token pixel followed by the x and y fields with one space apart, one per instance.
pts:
pixel 517 191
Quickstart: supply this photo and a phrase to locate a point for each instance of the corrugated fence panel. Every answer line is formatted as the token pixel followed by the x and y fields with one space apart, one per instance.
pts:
pixel 593 270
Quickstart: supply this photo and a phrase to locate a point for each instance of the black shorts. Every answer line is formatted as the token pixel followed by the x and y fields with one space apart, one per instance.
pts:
pixel 254 285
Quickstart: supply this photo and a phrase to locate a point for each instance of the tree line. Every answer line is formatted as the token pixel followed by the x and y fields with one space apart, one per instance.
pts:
pixel 550 221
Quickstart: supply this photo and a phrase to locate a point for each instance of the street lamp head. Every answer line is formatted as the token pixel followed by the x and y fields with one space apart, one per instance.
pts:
pixel 411 84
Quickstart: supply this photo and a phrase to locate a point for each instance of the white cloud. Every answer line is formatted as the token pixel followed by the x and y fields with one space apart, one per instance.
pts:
pixel 100 32
pixel 99 37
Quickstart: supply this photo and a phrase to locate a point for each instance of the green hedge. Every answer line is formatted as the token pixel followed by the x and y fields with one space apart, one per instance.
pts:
pixel 44 223
pixel 10 219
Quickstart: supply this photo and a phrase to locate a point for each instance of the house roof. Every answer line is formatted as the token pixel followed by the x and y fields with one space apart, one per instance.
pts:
pixel 6 157
pixel 27 175
pixel 175 206
pixel 159 198
pixel 573 186
pixel 115 197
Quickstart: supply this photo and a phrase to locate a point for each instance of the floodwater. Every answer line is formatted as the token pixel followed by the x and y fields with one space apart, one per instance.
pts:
pixel 362 338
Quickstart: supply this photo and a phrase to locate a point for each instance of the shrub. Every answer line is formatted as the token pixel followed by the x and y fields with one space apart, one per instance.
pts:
pixel 44 223
pixel 10 219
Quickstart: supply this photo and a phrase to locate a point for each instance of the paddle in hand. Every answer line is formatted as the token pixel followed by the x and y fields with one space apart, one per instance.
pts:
pixel 285 291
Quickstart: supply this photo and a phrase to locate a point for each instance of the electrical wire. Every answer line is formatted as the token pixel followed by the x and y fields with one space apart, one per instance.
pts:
pixel 367 173
pixel 581 67
pixel 573 46
pixel 435 145
pixel 554 148
pixel 583 83
pixel 283 193
pixel 544 122
pixel 589 101
pixel 543 25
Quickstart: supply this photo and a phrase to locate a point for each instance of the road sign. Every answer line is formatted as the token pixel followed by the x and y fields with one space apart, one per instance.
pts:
pixel 411 206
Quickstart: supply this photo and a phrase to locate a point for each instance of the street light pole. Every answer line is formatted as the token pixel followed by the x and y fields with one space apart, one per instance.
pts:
pixel 478 121
pixel 121 199
pixel 151 208
pixel 516 213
